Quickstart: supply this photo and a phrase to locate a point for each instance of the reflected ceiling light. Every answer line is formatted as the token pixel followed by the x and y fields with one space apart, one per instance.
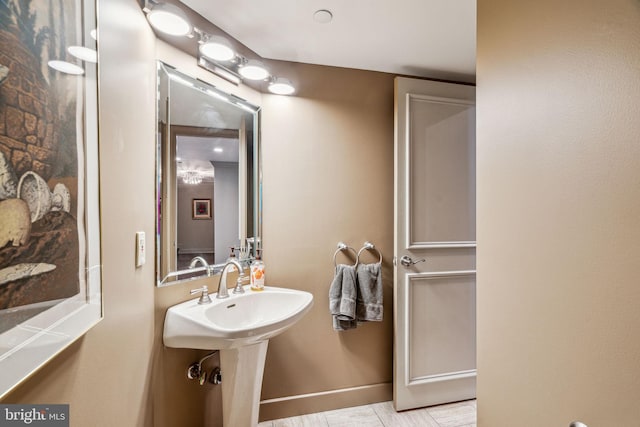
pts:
pixel 218 150
pixel 281 86
pixel 65 67
pixel 217 48
pixel 84 53
pixel 254 70
pixel 323 16
pixel 169 19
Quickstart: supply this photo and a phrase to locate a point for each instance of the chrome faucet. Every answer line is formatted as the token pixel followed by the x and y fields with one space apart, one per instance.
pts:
pixel 199 259
pixel 222 284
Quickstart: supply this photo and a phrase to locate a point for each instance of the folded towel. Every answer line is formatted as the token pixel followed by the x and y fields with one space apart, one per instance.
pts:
pixel 342 298
pixel 369 301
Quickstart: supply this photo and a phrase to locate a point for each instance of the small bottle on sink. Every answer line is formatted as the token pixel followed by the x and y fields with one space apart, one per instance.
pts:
pixel 257 273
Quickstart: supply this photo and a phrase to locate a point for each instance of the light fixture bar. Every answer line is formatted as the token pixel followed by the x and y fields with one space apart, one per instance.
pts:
pixel 212 49
pixel 218 70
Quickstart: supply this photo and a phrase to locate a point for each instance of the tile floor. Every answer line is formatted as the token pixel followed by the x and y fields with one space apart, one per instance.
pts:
pixel 462 414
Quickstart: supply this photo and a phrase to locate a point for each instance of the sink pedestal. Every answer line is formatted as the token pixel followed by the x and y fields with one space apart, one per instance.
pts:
pixel 240 327
pixel 242 369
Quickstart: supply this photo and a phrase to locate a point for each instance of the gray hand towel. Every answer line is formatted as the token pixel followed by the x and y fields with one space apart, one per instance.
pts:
pixel 342 298
pixel 369 302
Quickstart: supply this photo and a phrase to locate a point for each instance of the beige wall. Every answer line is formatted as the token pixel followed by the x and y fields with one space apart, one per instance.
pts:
pixel 328 177
pixel 558 211
pixel 195 234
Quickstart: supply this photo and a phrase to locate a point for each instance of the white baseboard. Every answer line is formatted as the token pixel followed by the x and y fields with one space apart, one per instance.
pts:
pixel 289 406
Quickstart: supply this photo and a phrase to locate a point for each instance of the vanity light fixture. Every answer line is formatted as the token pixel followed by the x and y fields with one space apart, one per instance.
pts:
pixel 281 86
pixel 216 48
pixel 253 70
pixel 168 18
pixel 213 50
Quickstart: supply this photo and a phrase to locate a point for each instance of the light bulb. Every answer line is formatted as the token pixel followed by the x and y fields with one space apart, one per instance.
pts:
pixel 169 19
pixel 217 49
pixel 254 70
pixel 282 86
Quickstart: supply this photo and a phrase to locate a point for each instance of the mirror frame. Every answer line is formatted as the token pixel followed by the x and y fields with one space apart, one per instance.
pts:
pixel 180 276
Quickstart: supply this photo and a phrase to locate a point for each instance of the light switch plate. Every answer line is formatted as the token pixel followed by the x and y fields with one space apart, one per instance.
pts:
pixel 140 249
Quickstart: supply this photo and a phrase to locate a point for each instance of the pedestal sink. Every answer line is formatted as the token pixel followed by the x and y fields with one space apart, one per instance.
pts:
pixel 240 327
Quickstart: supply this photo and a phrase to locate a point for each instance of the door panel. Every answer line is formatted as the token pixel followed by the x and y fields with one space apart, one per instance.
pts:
pixel 435 346
pixel 442 170
pixel 441 307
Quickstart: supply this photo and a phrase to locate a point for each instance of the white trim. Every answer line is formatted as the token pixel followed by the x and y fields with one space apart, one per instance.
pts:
pixel 442 100
pixel 449 376
pixel 434 274
pixel 322 393
pixel 436 245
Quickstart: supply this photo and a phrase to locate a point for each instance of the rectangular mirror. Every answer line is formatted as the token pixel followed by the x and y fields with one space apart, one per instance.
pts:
pixel 208 176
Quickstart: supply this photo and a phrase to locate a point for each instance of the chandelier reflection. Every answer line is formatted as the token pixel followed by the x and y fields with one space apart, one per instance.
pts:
pixel 191 177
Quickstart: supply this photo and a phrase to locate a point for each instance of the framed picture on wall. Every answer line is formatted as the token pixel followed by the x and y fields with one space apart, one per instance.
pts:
pixel 201 209
pixel 50 268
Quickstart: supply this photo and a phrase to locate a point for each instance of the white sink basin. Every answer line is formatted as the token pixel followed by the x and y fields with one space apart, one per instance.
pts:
pixel 240 320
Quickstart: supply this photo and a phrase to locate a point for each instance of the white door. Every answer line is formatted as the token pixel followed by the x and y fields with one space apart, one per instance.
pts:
pixel 435 319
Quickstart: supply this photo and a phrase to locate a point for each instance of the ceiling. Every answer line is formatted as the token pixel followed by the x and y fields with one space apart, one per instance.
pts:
pixel 423 38
pixel 197 154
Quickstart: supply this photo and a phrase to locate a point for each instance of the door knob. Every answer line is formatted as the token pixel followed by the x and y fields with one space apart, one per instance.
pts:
pixel 408 262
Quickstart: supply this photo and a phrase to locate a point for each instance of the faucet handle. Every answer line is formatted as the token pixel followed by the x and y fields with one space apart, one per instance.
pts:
pixel 239 289
pixel 204 297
